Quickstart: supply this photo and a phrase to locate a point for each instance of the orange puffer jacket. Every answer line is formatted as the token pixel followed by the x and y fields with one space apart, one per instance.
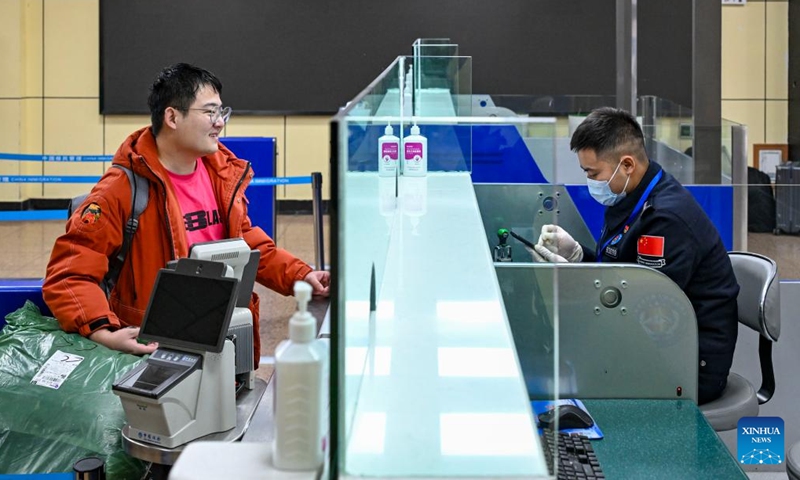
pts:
pixel 79 259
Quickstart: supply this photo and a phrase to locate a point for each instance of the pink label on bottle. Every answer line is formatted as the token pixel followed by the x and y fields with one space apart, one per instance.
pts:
pixel 389 151
pixel 414 151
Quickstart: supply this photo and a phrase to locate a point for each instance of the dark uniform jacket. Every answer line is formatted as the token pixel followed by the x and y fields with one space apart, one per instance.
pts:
pixel 673 234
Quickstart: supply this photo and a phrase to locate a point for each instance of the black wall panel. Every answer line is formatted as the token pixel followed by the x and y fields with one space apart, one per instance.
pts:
pixel 794 80
pixel 665 50
pixel 293 56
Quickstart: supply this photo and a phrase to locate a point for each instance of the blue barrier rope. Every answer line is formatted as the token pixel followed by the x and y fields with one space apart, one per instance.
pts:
pixel 258 181
pixel 105 158
pixel 280 181
pixel 29 215
pixel 48 179
pixel 26 215
pixel 55 158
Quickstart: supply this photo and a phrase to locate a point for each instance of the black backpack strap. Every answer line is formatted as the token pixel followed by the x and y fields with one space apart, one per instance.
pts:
pixel 140 193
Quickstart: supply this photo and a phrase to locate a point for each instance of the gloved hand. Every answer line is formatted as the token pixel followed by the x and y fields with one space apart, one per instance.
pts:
pixel 558 241
pixel 536 257
pixel 541 254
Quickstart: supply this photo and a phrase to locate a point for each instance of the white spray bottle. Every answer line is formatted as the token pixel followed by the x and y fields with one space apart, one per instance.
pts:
pixel 300 365
pixel 407 98
pixel 415 154
pixel 389 153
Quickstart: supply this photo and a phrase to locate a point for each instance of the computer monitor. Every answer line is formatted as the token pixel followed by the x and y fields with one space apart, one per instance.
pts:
pixel 190 307
pixel 235 253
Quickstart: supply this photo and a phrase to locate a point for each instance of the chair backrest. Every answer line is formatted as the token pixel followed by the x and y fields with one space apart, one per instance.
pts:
pixel 759 293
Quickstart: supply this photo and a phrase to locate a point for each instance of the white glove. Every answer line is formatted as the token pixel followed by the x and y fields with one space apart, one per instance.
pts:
pixel 536 257
pixel 546 255
pixel 558 241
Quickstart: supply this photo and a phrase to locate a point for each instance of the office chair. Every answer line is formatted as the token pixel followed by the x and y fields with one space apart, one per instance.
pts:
pixel 793 462
pixel 759 309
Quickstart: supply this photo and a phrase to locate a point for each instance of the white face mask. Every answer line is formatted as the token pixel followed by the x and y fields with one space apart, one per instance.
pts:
pixel 601 190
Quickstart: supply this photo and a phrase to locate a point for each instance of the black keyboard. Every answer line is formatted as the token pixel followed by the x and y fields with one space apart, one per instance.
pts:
pixel 573 454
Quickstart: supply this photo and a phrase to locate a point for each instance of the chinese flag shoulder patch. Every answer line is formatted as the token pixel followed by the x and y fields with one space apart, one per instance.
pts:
pixel 650 246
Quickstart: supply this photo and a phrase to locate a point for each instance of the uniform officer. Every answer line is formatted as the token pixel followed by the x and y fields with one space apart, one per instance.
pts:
pixel 652 220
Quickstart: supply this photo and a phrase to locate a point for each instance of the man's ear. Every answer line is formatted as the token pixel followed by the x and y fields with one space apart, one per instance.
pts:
pixel 628 164
pixel 171 118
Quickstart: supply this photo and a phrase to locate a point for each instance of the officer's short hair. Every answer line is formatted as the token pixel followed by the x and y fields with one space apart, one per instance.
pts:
pixel 608 131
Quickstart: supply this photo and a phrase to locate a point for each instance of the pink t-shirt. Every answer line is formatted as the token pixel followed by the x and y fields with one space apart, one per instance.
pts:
pixel 199 206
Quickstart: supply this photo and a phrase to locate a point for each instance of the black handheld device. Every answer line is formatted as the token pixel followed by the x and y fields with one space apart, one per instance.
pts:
pixel 522 239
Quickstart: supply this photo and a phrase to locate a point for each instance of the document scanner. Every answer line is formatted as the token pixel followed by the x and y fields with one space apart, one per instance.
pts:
pixel 186 388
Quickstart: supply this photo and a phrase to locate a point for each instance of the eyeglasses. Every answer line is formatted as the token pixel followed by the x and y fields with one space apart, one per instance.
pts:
pixel 215 113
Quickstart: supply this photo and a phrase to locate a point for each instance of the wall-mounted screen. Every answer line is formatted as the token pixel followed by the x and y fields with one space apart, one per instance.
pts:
pixel 294 57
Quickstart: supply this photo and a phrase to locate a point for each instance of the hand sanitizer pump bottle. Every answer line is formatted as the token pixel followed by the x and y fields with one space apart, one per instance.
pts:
pixel 415 155
pixel 299 391
pixel 407 98
pixel 389 148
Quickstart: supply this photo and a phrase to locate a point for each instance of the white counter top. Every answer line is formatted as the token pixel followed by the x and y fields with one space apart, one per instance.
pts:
pixel 442 392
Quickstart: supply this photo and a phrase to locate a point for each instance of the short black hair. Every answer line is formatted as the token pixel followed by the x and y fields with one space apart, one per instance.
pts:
pixel 609 130
pixel 176 86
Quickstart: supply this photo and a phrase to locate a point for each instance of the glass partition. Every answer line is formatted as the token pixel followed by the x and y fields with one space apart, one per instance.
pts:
pixel 667 129
pixel 364 215
pixel 726 150
pixel 666 122
pixel 773 205
pixel 433 47
pixel 667 126
pixel 431 41
pixel 442 84
pixel 390 101
pixel 429 380
pixel 448 334
pixel 546 105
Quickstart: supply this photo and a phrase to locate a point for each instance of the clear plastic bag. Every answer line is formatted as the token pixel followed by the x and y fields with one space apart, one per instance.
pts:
pixel 45 430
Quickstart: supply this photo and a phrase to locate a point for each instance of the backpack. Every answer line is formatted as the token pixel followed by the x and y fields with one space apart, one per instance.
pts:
pixel 140 193
pixel 760 202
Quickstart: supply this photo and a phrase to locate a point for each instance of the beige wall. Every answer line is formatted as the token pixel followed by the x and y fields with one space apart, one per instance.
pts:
pixel 755 66
pixel 49 56
pixel 49 93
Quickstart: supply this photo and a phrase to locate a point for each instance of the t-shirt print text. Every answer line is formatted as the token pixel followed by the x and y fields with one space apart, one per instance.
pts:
pixel 200 219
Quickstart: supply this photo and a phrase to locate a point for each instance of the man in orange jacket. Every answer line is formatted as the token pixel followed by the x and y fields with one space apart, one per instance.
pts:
pixel 197 193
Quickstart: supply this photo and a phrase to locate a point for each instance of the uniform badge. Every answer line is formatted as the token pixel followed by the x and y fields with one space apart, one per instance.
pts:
pixel 616 239
pixel 651 262
pixel 651 251
pixel 611 251
pixel 650 246
pixel 91 214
